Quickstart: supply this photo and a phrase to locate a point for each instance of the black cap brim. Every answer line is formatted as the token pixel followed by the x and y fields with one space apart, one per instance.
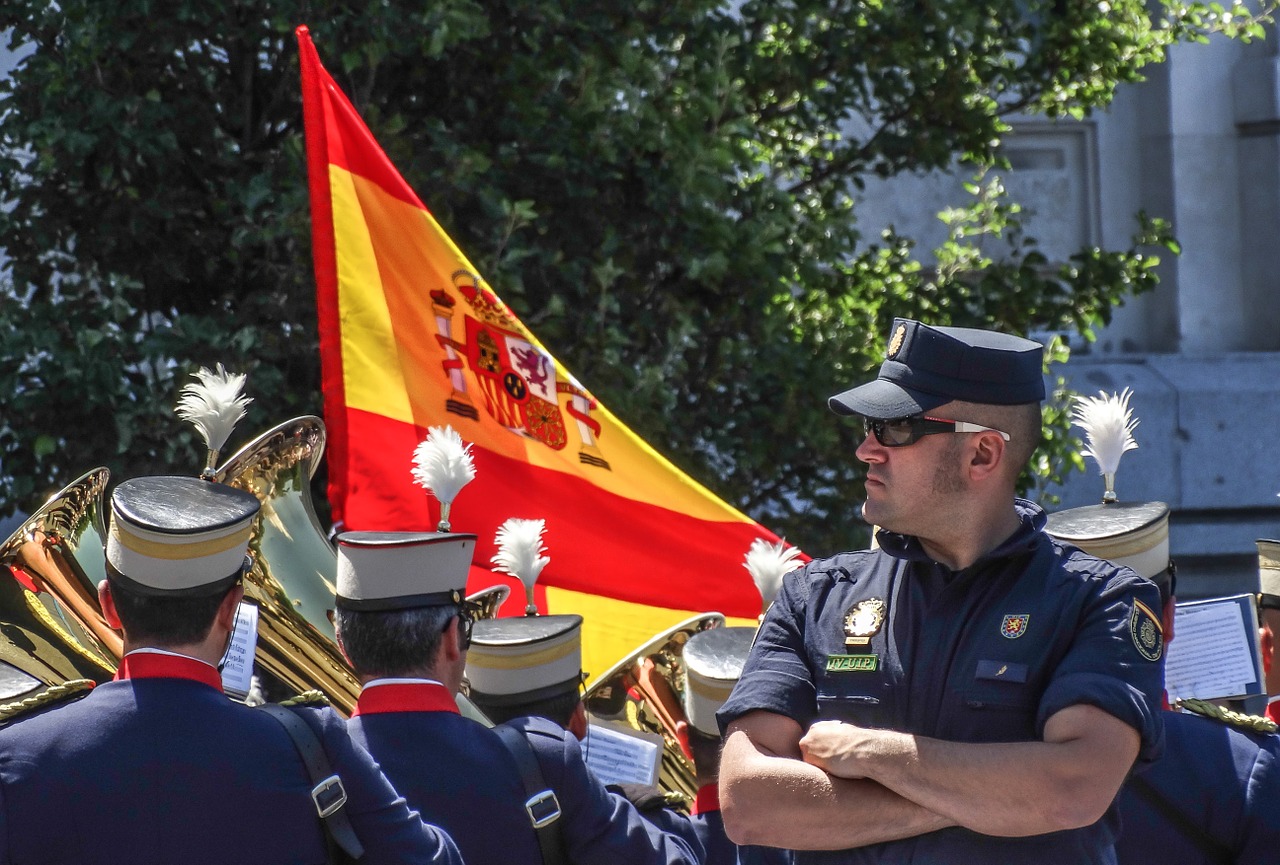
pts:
pixel 884 400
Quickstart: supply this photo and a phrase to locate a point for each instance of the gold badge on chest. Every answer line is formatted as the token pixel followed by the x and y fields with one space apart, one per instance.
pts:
pixel 863 620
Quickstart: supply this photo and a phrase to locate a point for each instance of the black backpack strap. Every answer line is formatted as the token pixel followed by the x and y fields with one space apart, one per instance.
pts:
pixel 327 792
pixel 542 806
pixel 1213 849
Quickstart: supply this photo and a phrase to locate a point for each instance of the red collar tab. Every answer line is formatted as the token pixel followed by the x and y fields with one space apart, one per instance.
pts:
pixel 150 665
pixel 708 799
pixel 1273 711
pixel 405 697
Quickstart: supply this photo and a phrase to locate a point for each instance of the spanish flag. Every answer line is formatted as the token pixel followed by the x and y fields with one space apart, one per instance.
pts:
pixel 411 336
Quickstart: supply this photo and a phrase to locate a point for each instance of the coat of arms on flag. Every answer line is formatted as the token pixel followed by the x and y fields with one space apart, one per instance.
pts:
pixel 516 378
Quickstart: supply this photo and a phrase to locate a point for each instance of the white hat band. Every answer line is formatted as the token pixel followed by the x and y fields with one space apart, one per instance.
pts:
pixel 176 562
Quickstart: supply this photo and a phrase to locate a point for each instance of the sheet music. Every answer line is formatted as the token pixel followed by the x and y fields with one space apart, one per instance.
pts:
pixel 618 756
pixel 1214 654
pixel 237 669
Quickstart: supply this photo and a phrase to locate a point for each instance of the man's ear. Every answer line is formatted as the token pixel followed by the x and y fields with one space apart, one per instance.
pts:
pixel 578 722
pixel 227 609
pixel 1268 642
pixel 986 455
pixel 108 604
pixel 682 736
pixel 451 641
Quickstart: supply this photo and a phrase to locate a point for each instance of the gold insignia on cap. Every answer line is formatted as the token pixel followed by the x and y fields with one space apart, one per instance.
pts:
pixel 862 621
pixel 895 344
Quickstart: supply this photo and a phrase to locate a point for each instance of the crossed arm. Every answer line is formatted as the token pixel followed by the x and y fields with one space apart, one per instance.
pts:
pixel 785 787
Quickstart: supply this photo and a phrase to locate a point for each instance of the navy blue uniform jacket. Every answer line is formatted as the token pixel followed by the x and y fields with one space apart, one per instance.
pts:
pixel 986 654
pixel 460 776
pixel 168 771
pixel 1223 779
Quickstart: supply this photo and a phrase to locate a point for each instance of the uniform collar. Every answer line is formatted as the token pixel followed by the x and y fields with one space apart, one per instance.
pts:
pixel 708 799
pixel 1031 521
pixel 159 664
pixel 382 696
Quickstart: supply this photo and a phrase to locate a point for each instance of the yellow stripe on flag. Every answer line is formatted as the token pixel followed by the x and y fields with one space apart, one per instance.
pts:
pixel 612 628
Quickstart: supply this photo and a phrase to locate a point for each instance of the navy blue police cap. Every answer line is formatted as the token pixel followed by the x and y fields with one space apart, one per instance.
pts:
pixel 926 367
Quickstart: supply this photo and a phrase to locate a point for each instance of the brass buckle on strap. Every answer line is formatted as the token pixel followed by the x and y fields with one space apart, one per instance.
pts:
pixel 543 809
pixel 329 795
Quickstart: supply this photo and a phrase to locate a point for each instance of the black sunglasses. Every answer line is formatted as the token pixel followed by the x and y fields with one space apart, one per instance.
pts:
pixel 903 431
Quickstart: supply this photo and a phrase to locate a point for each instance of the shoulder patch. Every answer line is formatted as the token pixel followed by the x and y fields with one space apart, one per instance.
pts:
pixel 53 694
pixel 1253 723
pixel 1147 631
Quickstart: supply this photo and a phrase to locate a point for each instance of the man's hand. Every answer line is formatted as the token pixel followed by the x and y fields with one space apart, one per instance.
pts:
pixel 770 795
pixel 838 748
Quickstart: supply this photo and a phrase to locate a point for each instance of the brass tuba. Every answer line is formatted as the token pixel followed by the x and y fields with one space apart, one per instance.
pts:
pixel 489 601
pixel 51 629
pixel 295 565
pixel 643 691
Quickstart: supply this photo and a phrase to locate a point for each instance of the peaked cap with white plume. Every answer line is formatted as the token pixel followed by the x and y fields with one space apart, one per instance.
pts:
pixel 1108 423
pixel 213 405
pixel 443 465
pixel 520 553
pixel 768 563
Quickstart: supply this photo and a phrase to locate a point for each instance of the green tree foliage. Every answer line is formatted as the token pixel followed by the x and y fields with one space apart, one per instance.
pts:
pixel 662 190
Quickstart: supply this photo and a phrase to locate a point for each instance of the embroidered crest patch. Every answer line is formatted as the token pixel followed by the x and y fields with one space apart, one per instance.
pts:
pixel 1147 631
pixel 1014 625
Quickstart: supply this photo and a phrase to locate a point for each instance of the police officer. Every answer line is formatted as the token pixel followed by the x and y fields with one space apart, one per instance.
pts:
pixel 159 766
pixel 969 692
pixel 713 660
pixel 1213 796
pixel 402 623
pixel 1269 627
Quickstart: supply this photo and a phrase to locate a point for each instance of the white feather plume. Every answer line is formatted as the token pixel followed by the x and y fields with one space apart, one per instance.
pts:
pixel 442 464
pixel 1108 423
pixel 214 404
pixel 520 551
pixel 768 563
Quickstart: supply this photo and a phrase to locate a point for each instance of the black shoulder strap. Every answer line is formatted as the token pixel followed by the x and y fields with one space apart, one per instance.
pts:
pixel 1213 849
pixel 542 806
pixel 327 792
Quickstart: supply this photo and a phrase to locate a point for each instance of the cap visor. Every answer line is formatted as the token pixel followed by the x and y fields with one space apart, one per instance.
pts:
pixel 883 400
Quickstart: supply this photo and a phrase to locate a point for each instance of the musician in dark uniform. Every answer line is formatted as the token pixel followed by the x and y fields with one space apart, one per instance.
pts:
pixel 1213 797
pixel 970 691
pixel 159 766
pixel 402 622
pixel 713 661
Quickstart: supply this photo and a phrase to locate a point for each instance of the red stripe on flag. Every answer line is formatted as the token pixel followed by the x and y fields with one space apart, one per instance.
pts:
pixel 315 88
pixel 598 542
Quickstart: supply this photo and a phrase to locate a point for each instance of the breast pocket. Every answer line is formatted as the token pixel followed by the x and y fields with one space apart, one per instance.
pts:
pixel 865 699
pixel 1000 703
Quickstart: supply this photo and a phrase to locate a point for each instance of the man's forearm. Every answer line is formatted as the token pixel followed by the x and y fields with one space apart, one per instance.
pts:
pixel 1008 789
pixel 784 802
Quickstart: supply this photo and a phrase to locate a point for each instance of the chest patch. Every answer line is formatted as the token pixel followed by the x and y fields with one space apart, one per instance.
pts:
pixel 863 620
pixel 1014 625
pixel 853 663
pixel 1146 630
